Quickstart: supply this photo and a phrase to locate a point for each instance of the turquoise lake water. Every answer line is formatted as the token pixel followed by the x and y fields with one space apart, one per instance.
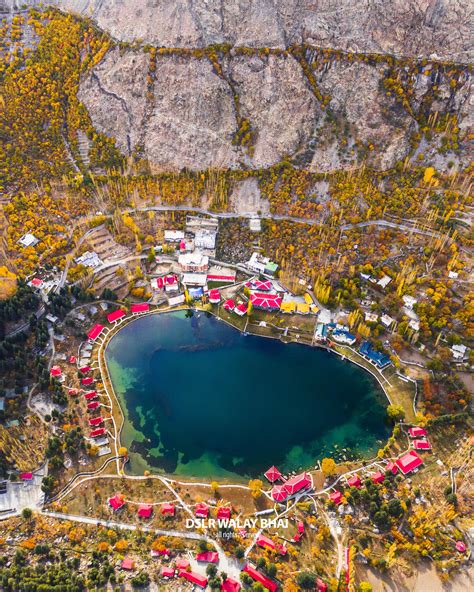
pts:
pixel 203 400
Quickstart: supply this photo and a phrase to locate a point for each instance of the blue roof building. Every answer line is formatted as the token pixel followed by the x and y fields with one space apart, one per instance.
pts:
pixel 377 358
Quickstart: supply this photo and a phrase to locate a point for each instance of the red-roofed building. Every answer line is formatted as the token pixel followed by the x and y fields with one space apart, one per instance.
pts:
pixel 97 432
pixel 26 476
pixel 37 282
pixel 168 509
pixel 354 481
pixel 93 405
pixel 160 553
pixel 72 359
pixel 88 380
pixel 213 277
pixel 461 547
pixel 116 315
pixel 266 301
pixel 95 332
pixel 214 296
pixel 201 510
pixel 72 392
pixel 417 432
pixel 241 309
pixel 56 372
pixel 259 577
pixel 145 510
pixel 194 578
pixel 128 564
pixel 85 369
pixel 336 497
pixel 91 395
pixel 265 286
pixel 96 421
pixel 297 483
pixel 297 537
pixel 421 444
pixel 378 477
pixel 167 572
pixel 170 280
pixel 223 513
pixel 140 308
pixel 116 502
pixel 321 586
pixel 300 526
pixel 229 304
pixel 265 542
pixel 182 563
pixel 230 585
pixel 279 493
pixel 391 468
pixel 409 462
pixel 273 474
pixel 208 557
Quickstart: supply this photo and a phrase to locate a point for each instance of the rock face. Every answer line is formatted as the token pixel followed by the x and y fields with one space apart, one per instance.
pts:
pixel 403 27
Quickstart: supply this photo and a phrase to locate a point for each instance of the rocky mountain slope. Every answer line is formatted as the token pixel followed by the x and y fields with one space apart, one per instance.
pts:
pixel 248 83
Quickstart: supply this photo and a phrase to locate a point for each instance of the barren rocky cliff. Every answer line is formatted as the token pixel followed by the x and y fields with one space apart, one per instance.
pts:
pixel 248 83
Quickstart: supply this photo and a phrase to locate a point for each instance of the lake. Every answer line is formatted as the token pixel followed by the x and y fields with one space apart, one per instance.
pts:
pixel 203 400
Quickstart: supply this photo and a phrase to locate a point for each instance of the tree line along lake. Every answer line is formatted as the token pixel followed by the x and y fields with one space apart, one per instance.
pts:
pixel 202 400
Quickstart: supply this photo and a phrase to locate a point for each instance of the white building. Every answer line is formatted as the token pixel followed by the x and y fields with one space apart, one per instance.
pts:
pixel 89 259
pixel 409 301
pixel 371 317
pixel 261 264
pixel 459 352
pixel 28 240
pixel 415 325
pixel 175 300
pixel 384 281
pixel 174 236
pixel 194 279
pixel 193 262
pixel 205 239
pixel 387 320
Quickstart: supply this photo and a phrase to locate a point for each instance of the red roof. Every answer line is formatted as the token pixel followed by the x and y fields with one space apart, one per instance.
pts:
pixel 55 371
pixel 145 510
pixel 37 282
pixel 96 421
pixel 167 572
pixel 220 278
pixel 72 392
pixel 98 432
pixel 214 296
pixel 141 307
pixel 265 286
pixel 354 481
pixel 300 526
pixel 208 557
pixel 409 462
pixel 223 513
pixel 297 483
pixel 229 304
pixel 170 279
pixel 461 547
pixel 116 502
pixel 242 307
pixel 279 493
pixel 95 332
pixel 168 509
pixel 202 510
pixel 230 585
pixel 85 369
pixel 416 432
pixel 422 444
pixel 336 497
pixel 194 578
pixel 297 537
pixel 392 467
pixel 266 301
pixel 259 577
pixel 26 476
pixel 263 541
pixel 378 477
pixel 182 563
pixel 128 564
pixel 160 553
pixel 87 380
pixel 159 282
pixel 93 405
pixel 72 359
pixel 321 586
pixel 91 395
pixel 116 315
pixel 273 474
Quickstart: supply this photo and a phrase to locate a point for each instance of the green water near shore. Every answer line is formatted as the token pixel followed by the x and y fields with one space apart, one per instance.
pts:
pixel 202 400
